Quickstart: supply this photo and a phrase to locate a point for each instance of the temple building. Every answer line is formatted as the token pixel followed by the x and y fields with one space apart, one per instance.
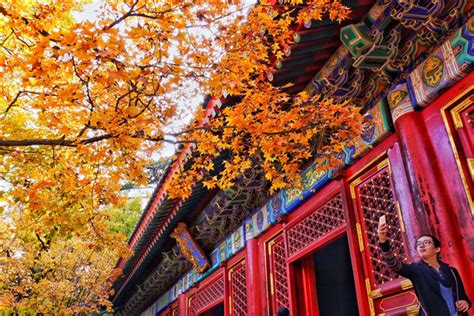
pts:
pixel 314 250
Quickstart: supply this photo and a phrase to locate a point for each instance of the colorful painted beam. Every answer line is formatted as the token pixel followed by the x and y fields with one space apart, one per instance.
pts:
pixel 444 67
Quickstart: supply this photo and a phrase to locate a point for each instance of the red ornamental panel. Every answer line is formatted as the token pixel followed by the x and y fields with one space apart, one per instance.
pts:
pixel 209 295
pixel 279 276
pixel 323 220
pixel 238 289
pixel 376 198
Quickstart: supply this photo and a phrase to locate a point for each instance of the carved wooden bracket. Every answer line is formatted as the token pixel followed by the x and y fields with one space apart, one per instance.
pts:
pixel 189 248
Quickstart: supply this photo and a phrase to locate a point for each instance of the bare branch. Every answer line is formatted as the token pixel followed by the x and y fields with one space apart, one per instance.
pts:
pixel 6 38
pixel 156 15
pixel 123 17
pixel 82 131
pixel 21 40
pixel 44 246
pixel 18 95
pixel 53 142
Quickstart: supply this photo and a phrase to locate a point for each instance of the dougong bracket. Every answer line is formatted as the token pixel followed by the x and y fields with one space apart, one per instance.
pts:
pixel 189 248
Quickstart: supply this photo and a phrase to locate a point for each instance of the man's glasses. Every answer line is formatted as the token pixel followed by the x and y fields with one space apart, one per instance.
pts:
pixel 423 243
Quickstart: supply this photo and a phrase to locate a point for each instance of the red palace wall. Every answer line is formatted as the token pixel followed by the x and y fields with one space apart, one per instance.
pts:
pixel 421 177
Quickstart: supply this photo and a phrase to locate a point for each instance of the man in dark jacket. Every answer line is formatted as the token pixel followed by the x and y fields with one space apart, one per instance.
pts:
pixel 438 286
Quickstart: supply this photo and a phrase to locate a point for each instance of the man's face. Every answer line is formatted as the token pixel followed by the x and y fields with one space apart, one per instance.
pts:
pixel 426 248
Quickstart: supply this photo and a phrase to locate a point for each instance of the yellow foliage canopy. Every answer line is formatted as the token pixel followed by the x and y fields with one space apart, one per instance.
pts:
pixel 84 105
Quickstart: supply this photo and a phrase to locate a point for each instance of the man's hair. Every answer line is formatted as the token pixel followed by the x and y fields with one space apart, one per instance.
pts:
pixel 436 241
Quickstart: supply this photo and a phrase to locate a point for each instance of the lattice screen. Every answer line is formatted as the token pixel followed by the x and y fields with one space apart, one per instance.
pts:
pixel 279 273
pixel 209 295
pixel 238 287
pixel 323 220
pixel 376 198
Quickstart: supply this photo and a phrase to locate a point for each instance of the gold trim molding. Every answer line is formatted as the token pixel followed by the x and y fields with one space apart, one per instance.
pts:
pixel 406 284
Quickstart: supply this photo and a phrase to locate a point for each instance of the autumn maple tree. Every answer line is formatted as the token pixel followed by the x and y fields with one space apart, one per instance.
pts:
pixel 84 106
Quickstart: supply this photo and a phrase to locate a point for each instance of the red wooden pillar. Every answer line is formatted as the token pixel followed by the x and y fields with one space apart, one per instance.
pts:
pixel 422 171
pixel 404 197
pixel 255 295
pixel 182 306
pixel 433 201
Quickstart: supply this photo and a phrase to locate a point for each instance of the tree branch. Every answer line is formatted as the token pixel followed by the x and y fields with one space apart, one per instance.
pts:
pixel 53 142
pixel 6 38
pixel 44 246
pixel 74 143
pixel 18 95
pixel 133 13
